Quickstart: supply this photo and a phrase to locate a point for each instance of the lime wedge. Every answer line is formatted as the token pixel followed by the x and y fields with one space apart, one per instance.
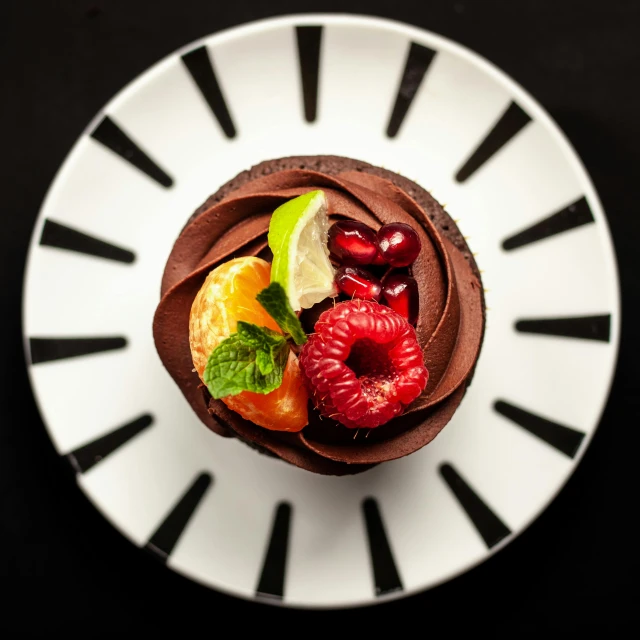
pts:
pixel 298 239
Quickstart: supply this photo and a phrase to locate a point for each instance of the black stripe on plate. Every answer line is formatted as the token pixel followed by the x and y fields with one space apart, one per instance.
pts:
pixel 272 576
pixel 47 349
pixel 418 60
pixel 199 64
pixel 585 327
pixel 113 137
pixel 88 455
pixel 508 125
pixel 575 215
pixel 564 439
pixel 60 236
pixel 487 523
pixel 309 41
pixel 168 533
pixel 385 574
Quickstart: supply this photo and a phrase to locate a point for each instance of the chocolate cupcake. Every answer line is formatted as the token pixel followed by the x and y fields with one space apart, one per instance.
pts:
pixel 390 348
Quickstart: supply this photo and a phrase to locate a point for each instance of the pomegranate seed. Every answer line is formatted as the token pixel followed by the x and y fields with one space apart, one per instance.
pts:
pixel 379 259
pixel 358 283
pixel 399 244
pixel 400 292
pixel 353 242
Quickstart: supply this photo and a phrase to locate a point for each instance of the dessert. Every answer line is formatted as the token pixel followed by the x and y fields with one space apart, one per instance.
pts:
pixel 323 311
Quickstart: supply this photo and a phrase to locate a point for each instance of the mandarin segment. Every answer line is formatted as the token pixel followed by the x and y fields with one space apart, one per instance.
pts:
pixel 228 295
pixel 284 409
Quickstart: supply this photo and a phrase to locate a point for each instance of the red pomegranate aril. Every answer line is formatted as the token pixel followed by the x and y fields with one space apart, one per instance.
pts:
pixel 400 292
pixel 379 259
pixel 399 244
pixel 353 242
pixel 358 283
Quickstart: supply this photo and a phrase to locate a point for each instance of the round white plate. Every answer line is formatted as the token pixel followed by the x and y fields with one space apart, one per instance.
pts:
pixel 383 92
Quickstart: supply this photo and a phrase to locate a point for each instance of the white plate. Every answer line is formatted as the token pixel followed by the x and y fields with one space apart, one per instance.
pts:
pixel 212 508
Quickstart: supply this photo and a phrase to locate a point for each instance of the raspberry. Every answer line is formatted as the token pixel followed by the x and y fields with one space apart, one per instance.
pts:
pixel 363 365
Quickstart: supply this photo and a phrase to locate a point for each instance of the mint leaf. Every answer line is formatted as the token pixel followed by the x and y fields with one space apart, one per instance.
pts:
pixel 264 361
pixel 255 336
pixel 253 359
pixel 276 303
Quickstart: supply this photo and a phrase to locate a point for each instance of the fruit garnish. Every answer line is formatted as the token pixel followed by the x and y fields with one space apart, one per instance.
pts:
pixel 298 239
pixel 399 244
pixel 358 283
pixel 227 297
pixel 352 242
pixel 400 292
pixel 379 259
pixel 363 365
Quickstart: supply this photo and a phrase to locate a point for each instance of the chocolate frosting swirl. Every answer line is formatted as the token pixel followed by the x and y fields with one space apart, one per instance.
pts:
pixel 449 328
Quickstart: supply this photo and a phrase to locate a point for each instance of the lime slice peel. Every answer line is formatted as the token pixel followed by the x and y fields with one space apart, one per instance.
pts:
pixel 298 235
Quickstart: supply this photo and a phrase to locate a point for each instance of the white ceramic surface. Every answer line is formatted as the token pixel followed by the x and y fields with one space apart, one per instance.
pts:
pixel 69 294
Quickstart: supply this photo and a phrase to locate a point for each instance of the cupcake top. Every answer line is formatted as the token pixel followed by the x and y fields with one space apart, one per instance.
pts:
pixel 448 328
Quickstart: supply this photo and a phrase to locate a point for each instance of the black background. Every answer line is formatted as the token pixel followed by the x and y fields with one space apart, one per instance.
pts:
pixel 67 569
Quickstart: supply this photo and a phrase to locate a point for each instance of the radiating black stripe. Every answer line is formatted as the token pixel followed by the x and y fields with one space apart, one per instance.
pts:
pixel 274 567
pixel 60 236
pixel 489 526
pixel 200 66
pixel 113 137
pixel 168 533
pixel 86 456
pixel 385 574
pixel 585 328
pixel 418 60
pixel 309 40
pixel 47 349
pixel 509 124
pixel 565 439
pixel 575 215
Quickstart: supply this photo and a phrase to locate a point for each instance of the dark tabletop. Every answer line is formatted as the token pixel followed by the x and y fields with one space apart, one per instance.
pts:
pixel 67 569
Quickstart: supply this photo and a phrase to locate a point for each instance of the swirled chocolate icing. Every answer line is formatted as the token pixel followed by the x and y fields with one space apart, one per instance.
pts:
pixel 234 222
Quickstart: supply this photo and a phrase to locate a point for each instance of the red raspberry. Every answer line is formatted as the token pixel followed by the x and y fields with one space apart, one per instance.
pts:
pixel 363 365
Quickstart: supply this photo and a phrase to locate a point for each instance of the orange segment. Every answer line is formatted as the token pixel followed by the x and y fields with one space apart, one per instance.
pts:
pixel 228 295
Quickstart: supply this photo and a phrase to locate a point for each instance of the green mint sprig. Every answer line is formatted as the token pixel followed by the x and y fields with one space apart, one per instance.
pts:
pixel 252 359
pixel 276 303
